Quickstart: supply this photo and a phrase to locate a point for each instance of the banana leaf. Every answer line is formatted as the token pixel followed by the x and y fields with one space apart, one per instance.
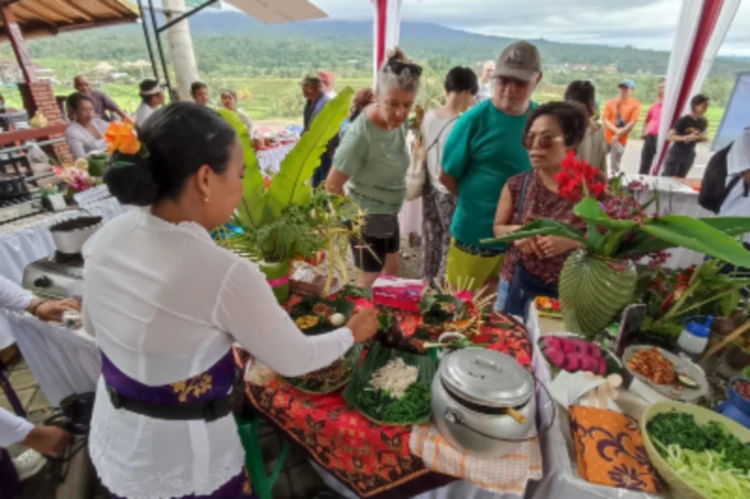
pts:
pixel 376 358
pixel 646 243
pixel 694 234
pixel 589 210
pixel 541 227
pixel 290 185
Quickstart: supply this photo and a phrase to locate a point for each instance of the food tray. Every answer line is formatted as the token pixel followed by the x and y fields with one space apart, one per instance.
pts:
pixel 681 366
pixel 352 357
pixel 376 358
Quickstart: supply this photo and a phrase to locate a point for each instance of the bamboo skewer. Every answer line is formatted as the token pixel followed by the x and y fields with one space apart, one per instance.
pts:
pixel 727 340
pixel 517 416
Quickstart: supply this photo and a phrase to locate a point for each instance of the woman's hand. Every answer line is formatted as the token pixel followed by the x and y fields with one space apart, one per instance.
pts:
pixel 529 246
pixel 363 324
pixel 552 246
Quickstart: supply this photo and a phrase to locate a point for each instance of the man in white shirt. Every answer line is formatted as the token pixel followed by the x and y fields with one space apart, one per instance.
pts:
pixel 737 202
pixel 486 81
pixel 152 96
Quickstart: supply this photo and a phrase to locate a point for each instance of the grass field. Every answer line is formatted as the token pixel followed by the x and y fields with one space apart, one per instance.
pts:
pixel 267 99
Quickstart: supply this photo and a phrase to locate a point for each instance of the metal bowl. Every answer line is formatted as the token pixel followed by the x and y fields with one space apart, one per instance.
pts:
pixel 470 396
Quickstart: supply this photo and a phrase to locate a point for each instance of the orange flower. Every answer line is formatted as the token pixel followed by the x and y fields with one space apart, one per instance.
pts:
pixel 121 137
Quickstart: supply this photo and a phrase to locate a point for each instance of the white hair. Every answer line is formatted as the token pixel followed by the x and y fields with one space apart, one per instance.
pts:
pixel 407 79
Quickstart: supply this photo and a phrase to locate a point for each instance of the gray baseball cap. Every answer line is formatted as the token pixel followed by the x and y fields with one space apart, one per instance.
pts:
pixel 520 60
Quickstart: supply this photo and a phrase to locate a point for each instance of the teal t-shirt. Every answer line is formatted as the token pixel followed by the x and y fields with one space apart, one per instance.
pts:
pixel 376 161
pixel 482 152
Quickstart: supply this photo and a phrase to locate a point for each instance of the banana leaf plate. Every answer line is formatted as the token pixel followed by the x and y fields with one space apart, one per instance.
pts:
pixel 311 314
pixel 331 378
pixel 375 405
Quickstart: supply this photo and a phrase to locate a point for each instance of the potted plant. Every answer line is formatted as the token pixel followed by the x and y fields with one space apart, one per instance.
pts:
pixel 599 279
pixel 283 219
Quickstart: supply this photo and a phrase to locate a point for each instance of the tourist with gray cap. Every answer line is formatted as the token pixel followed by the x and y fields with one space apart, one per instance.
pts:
pixel 619 118
pixel 482 152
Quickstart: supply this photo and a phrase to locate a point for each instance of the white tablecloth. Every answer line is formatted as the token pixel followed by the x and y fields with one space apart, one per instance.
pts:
pixel 466 490
pixel 29 239
pixel 62 360
pixel 270 159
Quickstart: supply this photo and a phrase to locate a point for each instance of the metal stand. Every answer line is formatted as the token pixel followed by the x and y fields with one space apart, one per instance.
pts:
pixel 157 31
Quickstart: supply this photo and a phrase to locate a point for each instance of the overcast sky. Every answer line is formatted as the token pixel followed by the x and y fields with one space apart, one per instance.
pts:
pixel 640 23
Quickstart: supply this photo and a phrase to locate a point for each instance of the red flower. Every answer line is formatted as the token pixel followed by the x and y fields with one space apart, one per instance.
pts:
pixel 579 179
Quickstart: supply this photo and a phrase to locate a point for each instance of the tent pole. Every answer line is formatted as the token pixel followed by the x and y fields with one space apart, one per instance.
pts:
pixel 148 41
pixel 161 51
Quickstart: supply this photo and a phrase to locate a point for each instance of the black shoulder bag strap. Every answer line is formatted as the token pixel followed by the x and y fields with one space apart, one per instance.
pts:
pixel 522 202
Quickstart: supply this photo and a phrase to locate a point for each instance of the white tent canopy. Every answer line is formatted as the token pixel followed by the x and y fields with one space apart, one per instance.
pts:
pixel 278 11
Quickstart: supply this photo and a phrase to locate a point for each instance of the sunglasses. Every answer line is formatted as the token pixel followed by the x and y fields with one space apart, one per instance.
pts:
pixel 398 67
pixel 544 141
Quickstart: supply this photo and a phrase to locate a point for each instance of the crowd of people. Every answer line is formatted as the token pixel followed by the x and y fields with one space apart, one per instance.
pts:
pixel 491 156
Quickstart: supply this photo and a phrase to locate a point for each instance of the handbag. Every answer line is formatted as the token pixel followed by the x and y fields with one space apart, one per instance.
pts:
pixel 416 174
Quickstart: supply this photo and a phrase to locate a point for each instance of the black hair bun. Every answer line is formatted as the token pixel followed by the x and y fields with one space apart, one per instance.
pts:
pixel 132 181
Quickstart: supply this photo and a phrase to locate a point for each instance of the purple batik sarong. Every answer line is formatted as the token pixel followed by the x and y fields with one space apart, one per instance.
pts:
pixel 215 383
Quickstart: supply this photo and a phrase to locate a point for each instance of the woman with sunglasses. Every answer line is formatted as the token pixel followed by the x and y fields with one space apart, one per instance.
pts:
pixel 372 161
pixel 533 264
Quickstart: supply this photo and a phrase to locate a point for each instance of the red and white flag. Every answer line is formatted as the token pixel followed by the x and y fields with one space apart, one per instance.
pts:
pixel 386 31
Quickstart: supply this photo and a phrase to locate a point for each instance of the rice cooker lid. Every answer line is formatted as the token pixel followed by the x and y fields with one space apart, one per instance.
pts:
pixel 486 378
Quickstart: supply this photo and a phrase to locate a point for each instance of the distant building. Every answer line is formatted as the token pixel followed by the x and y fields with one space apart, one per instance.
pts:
pixel 610 69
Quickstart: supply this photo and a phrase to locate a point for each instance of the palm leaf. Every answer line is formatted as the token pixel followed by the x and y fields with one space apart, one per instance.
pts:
pixel 541 227
pixel 589 210
pixel 645 243
pixel 290 185
pixel 695 234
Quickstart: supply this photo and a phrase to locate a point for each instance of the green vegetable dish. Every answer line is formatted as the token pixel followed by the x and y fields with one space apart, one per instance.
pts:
pixel 707 457
pixel 392 387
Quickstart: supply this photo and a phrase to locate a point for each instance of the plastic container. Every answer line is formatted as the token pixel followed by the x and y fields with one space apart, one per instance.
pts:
pixel 736 407
pixel 694 337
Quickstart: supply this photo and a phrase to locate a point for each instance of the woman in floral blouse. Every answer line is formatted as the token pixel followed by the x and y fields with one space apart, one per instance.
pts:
pixel 533 266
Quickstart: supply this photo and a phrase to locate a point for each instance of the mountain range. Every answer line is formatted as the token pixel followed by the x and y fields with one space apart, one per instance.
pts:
pixel 224 39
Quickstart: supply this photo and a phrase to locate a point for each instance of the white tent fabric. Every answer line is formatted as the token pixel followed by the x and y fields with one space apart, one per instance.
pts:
pixel 278 11
pixel 386 31
pixel 684 48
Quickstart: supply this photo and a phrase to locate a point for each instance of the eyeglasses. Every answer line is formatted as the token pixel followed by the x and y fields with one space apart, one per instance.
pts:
pixel 398 67
pixel 544 141
pixel 504 81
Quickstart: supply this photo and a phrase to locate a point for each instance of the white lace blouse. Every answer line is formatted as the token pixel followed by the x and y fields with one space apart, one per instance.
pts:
pixel 165 304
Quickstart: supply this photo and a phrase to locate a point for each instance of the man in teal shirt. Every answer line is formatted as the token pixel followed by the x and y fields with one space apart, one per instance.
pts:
pixel 482 152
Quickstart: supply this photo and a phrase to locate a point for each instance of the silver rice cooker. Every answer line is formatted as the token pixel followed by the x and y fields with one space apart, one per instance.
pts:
pixel 471 394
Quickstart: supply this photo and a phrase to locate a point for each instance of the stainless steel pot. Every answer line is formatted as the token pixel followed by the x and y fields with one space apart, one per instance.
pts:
pixel 470 394
pixel 70 236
